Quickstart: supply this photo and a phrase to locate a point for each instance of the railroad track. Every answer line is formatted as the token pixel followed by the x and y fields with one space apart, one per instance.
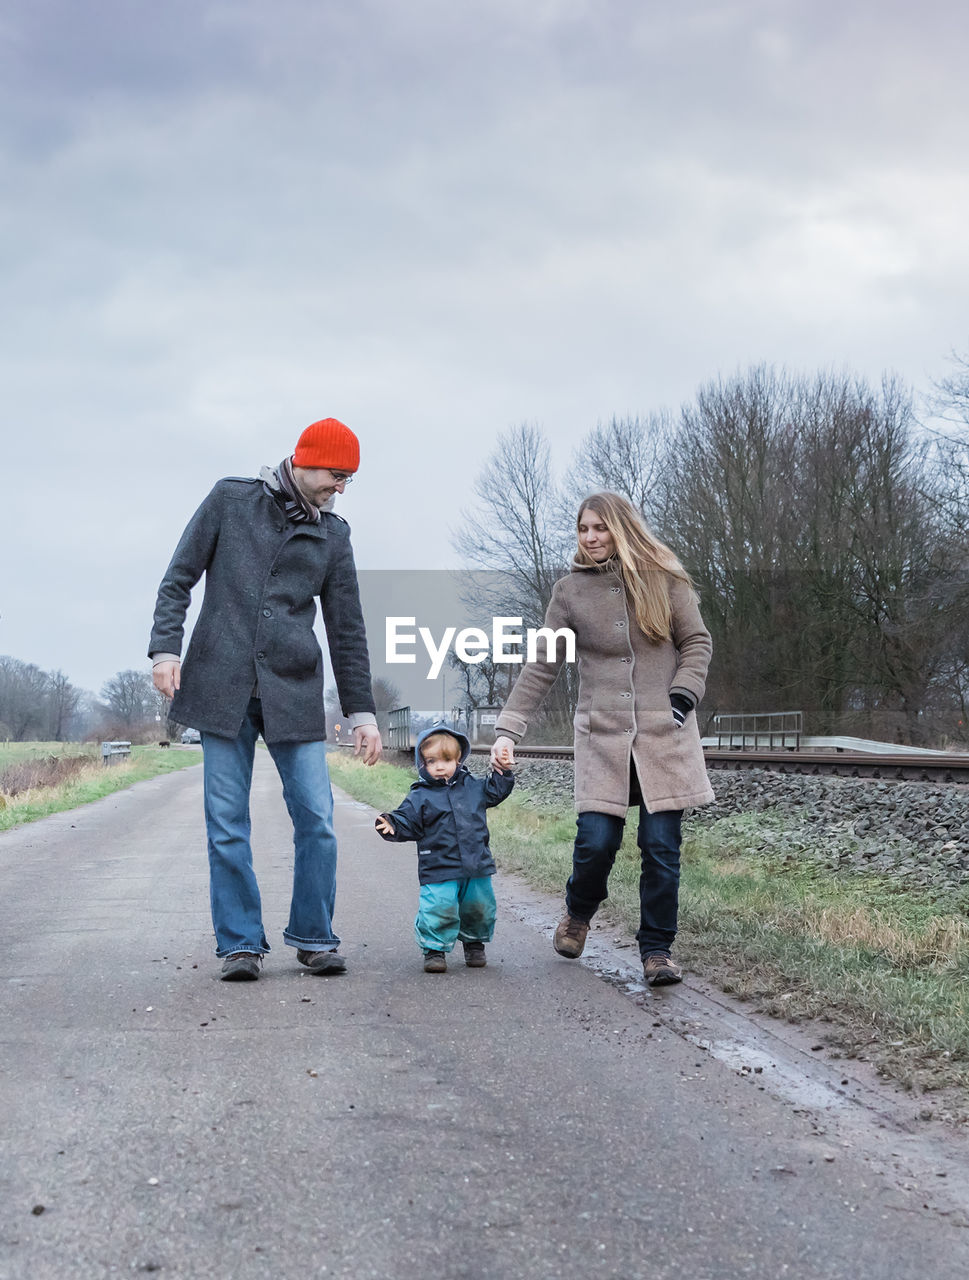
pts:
pixel 940 767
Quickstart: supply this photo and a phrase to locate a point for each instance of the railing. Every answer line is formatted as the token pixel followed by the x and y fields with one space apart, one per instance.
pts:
pixel 115 752
pixel 398 732
pixel 765 731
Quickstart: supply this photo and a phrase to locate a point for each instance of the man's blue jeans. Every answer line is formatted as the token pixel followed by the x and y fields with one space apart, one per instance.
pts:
pixel 236 905
pixel 597 841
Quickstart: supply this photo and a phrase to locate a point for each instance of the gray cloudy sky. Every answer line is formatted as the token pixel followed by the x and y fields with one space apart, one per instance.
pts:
pixel 223 219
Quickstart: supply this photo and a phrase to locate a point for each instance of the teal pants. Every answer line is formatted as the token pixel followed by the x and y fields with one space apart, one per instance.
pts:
pixel 455 909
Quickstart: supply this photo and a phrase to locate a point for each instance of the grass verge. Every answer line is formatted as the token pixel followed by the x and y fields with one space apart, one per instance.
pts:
pixel 91 781
pixel 12 753
pixel 883 968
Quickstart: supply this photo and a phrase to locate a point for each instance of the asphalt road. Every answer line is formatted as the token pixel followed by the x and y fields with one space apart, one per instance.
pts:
pixel 525 1120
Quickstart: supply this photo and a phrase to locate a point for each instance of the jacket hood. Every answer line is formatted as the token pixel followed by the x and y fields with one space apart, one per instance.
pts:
pixel 440 728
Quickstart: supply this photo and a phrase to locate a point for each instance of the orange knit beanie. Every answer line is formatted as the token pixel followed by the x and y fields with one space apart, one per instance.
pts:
pixel 328 443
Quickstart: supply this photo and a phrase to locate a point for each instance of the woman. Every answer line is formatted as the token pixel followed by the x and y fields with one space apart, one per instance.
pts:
pixel 643 654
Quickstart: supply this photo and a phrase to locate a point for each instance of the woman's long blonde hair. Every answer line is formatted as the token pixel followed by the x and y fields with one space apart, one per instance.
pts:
pixel 644 562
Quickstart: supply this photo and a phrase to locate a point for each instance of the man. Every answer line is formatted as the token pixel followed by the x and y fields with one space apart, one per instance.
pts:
pixel 268 548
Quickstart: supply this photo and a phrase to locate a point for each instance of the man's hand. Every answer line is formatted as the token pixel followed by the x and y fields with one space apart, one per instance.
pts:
pixel 383 826
pixel 366 739
pixel 503 753
pixel 167 677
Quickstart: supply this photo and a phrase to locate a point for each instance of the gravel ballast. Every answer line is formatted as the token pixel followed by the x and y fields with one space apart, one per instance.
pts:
pixel 915 830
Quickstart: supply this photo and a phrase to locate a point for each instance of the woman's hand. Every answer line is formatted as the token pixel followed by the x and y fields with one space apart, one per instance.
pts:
pixel 681 707
pixel 503 754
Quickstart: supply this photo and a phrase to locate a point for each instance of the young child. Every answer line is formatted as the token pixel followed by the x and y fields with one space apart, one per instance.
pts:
pixel 445 813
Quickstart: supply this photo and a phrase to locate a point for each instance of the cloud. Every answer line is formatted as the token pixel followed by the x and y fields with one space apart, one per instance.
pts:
pixel 434 220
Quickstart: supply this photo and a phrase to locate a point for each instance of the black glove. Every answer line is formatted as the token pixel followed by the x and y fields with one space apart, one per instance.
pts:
pixel 682 706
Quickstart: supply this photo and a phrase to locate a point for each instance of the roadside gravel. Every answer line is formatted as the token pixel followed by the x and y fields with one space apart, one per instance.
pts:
pixel 915 830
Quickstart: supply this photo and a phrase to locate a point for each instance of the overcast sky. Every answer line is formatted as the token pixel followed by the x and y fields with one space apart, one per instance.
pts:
pixel 223 219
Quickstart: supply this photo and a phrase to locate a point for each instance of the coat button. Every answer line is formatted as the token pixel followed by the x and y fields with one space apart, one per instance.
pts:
pixel 620 625
pixel 615 590
pixel 267 613
pixel 274 572
pixel 625 695
pixel 261 654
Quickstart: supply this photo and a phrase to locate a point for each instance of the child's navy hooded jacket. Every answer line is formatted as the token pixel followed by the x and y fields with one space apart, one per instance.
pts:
pixel 447 818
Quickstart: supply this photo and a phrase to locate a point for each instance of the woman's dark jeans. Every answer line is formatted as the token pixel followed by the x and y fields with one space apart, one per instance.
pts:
pixel 597 840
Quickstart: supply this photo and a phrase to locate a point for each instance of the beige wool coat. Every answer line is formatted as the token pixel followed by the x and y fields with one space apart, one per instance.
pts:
pixel 623 718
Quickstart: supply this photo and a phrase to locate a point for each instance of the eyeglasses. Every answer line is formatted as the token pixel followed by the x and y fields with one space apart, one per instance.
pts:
pixel 342 477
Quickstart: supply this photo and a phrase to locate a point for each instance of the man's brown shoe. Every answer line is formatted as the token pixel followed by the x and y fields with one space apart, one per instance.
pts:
pixel 326 962
pixel 241 966
pixel 474 955
pixel 659 970
pixel 570 936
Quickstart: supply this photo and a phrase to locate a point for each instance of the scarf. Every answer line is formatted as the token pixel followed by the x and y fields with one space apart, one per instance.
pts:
pixel 281 483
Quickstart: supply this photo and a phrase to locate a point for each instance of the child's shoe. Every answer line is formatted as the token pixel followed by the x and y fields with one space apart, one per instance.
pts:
pixel 474 955
pixel 435 962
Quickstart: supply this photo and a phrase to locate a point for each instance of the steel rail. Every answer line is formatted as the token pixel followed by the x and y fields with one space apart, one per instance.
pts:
pixel 847 764
pixel 941 767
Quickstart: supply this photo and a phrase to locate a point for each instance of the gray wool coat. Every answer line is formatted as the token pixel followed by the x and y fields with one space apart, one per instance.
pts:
pixel 263 575
pixel 623 718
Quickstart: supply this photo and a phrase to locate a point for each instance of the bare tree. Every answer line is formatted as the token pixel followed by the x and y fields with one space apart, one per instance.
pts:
pixel 827 539
pixel 520 528
pixel 809 512
pixel 386 698
pixel 63 702
pixel 630 456
pixel 949 404
pixel 23 699
pixel 950 400
pixel 485 683
pixel 731 522
pixel 517 525
pixel 909 582
pixel 132 703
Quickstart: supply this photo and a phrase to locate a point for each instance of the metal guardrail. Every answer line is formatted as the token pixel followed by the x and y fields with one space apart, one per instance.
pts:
pixel 763 731
pixel 115 752
pixel 398 732
pixel 861 746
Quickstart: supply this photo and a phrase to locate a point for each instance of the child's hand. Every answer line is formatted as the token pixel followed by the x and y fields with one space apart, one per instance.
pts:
pixel 383 826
